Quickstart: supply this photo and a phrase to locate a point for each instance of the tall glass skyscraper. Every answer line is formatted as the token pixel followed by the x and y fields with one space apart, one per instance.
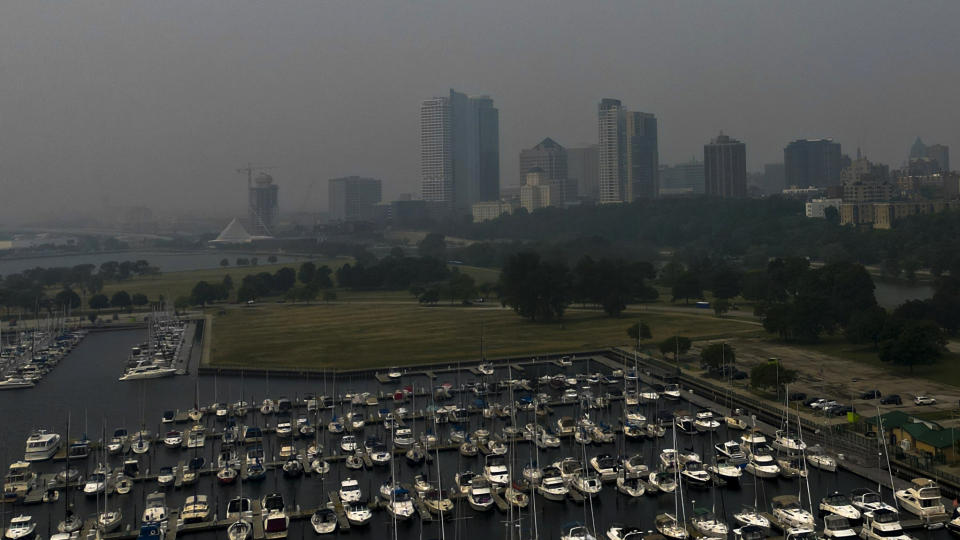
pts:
pixel 629 159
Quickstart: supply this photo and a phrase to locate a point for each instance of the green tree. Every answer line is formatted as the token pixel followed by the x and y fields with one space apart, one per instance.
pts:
pixel 771 375
pixel 832 215
pixel 307 272
pixel 671 272
pixel 866 326
pixel 429 296
pixel 121 299
pixel 687 286
pixel 181 303
pixel 675 345
pixel 227 283
pixel 727 283
pixel 433 245
pixel 535 289
pixel 284 279
pixel 721 306
pixel 246 293
pixel 717 355
pixel 68 298
pixel 913 343
pixel 639 330
pixel 224 262
pixel 329 296
pixel 204 293
pixel 139 299
pixel 98 302
pixel 322 278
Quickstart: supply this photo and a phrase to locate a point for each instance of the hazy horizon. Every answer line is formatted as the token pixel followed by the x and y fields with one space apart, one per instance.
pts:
pixel 158 103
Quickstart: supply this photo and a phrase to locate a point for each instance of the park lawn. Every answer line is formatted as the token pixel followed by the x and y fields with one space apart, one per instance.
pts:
pixel 175 284
pixel 479 273
pixel 943 371
pixel 363 336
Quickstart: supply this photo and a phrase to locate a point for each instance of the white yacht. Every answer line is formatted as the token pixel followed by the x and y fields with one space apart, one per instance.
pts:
pixel 837 526
pixel 324 521
pixel 694 474
pixel 239 508
pixel 196 509
pixel 839 504
pixel 20 528
pixel 586 484
pixel 495 471
pixel 478 494
pixel 749 516
pixel 726 470
pixel 552 486
pixel 19 480
pixel 663 481
pixel 630 485
pixel 670 527
pixel 41 445
pixel 97 482
pixel 708 525
pixel 732 451
pixel 358 513
pixel 705 422
pixel 400 506
pixel 866 500
pixel 788 512
pixel 761 463
pixel 882 524
pixel 275 524
pixel 818 459
pixel 155 510
pixel 350 491
pixel 147 370
pixel 922 498
pixel 783 441
pixel 671 391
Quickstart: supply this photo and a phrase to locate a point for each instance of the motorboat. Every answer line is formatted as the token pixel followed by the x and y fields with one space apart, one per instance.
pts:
pixel 617 531
pixel 684 424
pixel 68 476
pixel 400 506
pixel 531 473
pixel 380 455
pixel 708 525
pixel 732 451
pixel 110 520
pixel 630 485
pixel 495 471
pixel 468 449
pixel 726 470
pixel 462 480
pixel 705 421
pixel 19 480
pixel 354 461
pixel 155 510
pixel 324 521
pixel 478 494
pixel 671 391
pixel 292 467
pixel 663 481
pixel 117 442
pixel 320 466
pixel 750 532
pixel 140 442
pixel 284 427
pixel 239 507
pixel 267 406
pixel 670 527
pixel 735 422
pixel 516 497
pixel 275 524
pixel 166 477
pixel 791 466
pixel 686 456
pixel 576 531
pixel 866 500
pixel 836 526
pixel 485 369
pixel 239 530
pixel 196 509
pixel 668 459
pixel 272 502
pixel 605 466
pixel 634 431
pixel 566 426
pixel 173 439
pixel 839 504
pixel 358 513
pixel 196 437
pixel 350 490
pixel 634 465
pixel 552 487
pixel 41 445
pixel 97 481
pixel 437 502
pixel 749 516
pixel 655 430
pixel 921 499
pixel 403 437
pixel 694 474
pixel 415 455
pixel 884 524
pixel 788 512
pixel 586 484
pixel 752 438
pixel 761 463
pixel 20 528
pixel 147 370
pixel 192 473
pixel 70 523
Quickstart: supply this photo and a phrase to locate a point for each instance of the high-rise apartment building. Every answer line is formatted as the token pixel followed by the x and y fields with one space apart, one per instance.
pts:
pixel 537 191
pixel 682 179
pixel 812 162
pixel 353 198
pixel 725 167
pixel 628 154
pixel 583 167
pixel 643 164
pixel 263 208
pixel 551 158
pixel 460 150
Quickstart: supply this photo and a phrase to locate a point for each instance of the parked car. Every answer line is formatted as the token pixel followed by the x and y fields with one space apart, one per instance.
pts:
pixel 810 401
pixel 924 400
pixel 892 399
pixel 841 410
pixel 796 396
pixel 816 403
pixel 829 406
pixel 870 394
pixel 739 375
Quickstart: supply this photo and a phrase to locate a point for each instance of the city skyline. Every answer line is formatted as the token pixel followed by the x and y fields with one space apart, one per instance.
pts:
pixel 144 105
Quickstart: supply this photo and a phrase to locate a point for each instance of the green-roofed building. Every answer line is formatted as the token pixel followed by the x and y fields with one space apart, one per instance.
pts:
pixel 918 435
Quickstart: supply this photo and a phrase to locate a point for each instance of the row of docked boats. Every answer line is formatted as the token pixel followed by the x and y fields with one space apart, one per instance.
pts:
pixel 32 355
pixel 157 357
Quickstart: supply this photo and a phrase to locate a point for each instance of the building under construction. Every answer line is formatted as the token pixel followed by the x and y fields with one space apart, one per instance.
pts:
pixel 263 209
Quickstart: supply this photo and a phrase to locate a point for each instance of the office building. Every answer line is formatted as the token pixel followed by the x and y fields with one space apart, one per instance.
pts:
pixel 263 208
pixel 536 191
pixel 628 154
pixel 682 179
pixel 816 208
pixel 812 162
pixel 583 168
pixel 459 150
pixel 550 157
pixel 487 210
pixel 353 198
pixel 725 167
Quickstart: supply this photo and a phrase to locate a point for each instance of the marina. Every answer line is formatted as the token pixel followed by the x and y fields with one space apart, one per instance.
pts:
pixel 434 424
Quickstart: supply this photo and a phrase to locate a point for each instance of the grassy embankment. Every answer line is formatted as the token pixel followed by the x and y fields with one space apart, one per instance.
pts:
pixel 357 335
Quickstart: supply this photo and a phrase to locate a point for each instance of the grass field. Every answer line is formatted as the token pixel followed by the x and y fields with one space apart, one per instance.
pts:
pixel 356 336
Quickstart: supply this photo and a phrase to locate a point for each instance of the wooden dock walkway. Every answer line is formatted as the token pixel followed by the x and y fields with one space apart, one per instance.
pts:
pixel 338 509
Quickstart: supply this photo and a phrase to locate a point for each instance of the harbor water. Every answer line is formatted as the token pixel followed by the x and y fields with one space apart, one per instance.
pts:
pixel 84 386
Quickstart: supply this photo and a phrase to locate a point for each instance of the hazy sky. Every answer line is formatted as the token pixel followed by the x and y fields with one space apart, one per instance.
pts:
pixel 157 102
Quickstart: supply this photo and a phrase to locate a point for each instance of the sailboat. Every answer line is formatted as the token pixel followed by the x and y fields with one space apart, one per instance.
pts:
pixel 667 524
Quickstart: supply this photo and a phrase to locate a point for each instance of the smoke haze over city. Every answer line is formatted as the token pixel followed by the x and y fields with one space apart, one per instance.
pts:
pixel 158 103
